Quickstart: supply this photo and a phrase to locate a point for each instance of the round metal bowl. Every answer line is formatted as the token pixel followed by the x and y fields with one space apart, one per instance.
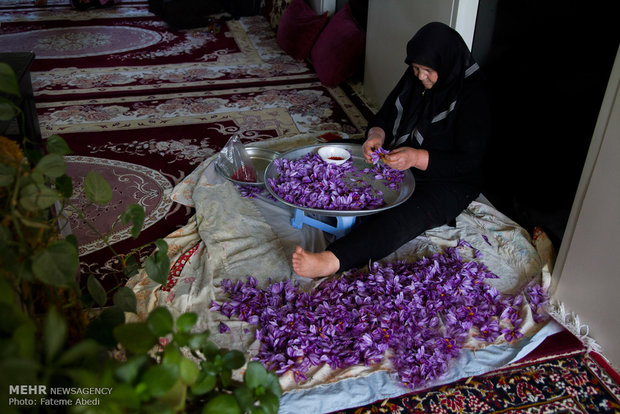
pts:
pixel 260 158
pixel 391 197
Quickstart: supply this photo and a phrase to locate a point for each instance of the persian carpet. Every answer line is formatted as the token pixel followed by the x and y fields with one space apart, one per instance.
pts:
pixel 560 376
pixel 143 105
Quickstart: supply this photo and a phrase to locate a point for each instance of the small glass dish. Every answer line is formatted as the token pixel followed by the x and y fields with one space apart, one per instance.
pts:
pixel 333 154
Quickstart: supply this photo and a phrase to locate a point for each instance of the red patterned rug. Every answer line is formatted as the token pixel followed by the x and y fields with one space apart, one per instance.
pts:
pixel 144 105
pixel 558 377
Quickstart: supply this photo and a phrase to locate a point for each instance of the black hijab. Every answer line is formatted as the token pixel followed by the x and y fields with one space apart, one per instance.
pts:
pixel 442 49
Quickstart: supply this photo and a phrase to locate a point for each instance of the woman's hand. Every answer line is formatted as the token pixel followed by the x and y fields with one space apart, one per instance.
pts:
pixel 404 158
pixel 376 138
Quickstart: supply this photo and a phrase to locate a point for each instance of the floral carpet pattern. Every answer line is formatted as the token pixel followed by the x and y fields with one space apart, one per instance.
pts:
pixel 575 383
pixel 143 104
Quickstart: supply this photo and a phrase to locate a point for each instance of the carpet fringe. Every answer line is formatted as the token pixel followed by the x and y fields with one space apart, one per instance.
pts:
pixel 571 321
pixel 565 317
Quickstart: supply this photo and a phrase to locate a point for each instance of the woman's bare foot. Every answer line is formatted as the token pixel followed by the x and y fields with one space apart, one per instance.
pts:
pixel 308 264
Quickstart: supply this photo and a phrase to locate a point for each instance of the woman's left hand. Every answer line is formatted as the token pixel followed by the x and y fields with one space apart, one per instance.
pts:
pixel 406 157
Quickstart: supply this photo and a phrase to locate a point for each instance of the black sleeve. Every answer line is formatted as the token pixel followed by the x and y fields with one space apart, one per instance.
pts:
pixel 472 130
pixel 386 115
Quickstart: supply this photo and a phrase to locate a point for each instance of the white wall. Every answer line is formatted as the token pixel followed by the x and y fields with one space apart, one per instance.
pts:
pixel 391 23
pixel 321 6
pixel 465 22
pixel 587 272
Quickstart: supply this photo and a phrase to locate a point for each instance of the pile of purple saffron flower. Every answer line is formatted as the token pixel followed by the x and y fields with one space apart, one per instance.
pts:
pixel 310 182
pixel 422 312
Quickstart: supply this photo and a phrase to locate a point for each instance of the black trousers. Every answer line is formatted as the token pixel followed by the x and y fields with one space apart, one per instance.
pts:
pixel 432 204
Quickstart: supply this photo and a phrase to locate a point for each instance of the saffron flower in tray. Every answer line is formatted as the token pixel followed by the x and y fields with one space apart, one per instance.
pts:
pixel 417 314
pixel 310 182
pixel 378 155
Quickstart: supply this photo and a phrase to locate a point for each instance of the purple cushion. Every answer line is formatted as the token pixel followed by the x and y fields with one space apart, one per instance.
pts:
pixel 339 51
pixel 299 28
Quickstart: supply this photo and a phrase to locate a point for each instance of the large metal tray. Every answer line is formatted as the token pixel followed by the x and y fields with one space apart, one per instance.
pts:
pixel 260 158
pixel 392 197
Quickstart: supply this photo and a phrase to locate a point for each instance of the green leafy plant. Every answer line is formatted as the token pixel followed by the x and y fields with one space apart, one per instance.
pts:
pixel 59 328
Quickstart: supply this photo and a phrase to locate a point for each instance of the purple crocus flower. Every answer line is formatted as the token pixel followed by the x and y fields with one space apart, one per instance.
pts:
pixel 537 299
pixel 378 155
pixel 512 334
pixel 418 314
pixel 486 239
pixel 489 331
pixel 224 328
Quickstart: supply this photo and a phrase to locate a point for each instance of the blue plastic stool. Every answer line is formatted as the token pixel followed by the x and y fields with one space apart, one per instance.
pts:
pixel 343 223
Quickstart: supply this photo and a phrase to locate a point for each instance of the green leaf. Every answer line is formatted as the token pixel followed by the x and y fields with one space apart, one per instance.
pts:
pixel 10 318
pixel 37 197
pixel 204 383
pixel 181 338
pixel 244 397
pixel 78 352
pixel 123 399
pixel 96 291
pixel 37 177
pixel 225 377
pixel 97 189
pixel 131 266
pixel 57 145
pixel 134 213
pixel 125 299
pixel 128 371
pixel 160 322
pixel 101 328
pixel 273 384
pixel 7 175
pixel 73 240
pixel 54 333
pixel 57 264
pixel 24 338
pixel 52 165
pixel 172 355
pixel 20 371
pixel 64 185
pixel 255 374
pixel 33 154
pixel 7 295
pixel 269 402
pixel 188 371
pixel 157 265
pixel 198 340
pixel 135 337
pixel 174 398
pixel 210 350
pixel 8 80
pixel 233 359
pixel 160 378
pixel 186 322
pixel 8 110
pixel 222 404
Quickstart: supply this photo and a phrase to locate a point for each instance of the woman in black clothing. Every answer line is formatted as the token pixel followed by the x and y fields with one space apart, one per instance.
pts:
pixel 435 122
